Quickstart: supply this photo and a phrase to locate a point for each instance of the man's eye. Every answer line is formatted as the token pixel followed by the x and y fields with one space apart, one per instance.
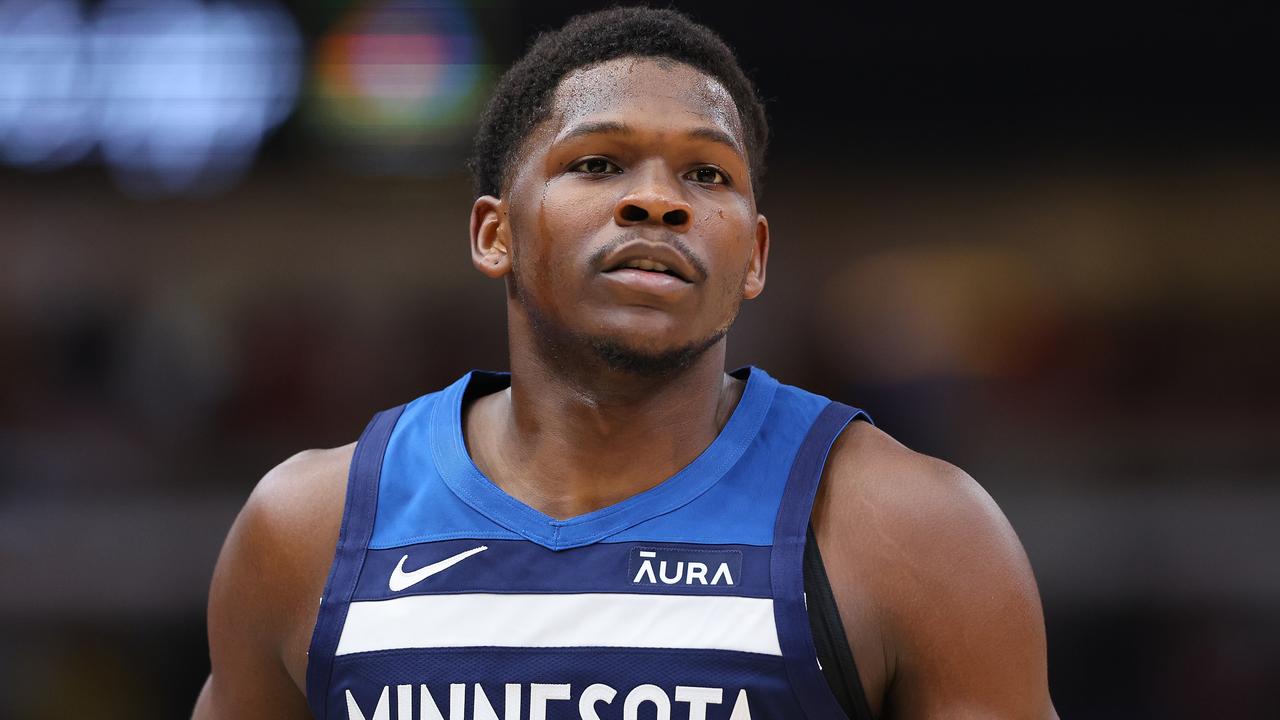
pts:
pixel 596 166
pixel 707 176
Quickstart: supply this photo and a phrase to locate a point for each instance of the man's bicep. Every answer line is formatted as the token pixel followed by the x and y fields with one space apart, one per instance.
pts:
pixel 246 625
pixel 972 642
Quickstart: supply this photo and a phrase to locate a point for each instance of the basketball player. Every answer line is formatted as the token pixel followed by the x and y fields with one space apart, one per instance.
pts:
pixel 618 529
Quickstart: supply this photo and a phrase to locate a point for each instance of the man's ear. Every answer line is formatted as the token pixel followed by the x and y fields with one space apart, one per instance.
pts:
pixel 754 283
pixel 490 237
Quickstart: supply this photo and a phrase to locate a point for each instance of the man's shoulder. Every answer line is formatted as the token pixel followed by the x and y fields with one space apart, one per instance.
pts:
pixel 310 481
pixel 922 547
pixel 292 517
pixel 273 565
pixel 906 493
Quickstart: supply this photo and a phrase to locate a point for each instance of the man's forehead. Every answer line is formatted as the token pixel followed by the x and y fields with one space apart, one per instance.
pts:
pixel 611 87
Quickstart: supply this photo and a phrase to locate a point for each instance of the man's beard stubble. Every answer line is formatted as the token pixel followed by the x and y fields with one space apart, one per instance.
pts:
pixel 618 356
pixel 572 351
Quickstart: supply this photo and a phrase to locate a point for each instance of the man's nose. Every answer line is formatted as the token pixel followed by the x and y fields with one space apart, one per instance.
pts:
pixel 657 198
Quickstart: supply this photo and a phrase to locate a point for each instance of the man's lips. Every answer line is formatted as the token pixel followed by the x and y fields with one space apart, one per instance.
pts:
pixel 647 281
pixel 651 258
pixel 642 270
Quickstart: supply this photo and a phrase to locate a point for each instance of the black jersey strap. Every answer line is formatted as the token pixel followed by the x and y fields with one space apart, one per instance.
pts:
pixel 835 657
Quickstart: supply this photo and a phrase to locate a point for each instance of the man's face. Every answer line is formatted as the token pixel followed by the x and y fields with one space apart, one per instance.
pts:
pixel 630 216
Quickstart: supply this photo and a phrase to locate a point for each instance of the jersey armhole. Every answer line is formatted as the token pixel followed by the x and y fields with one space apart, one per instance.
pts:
pixel 835 657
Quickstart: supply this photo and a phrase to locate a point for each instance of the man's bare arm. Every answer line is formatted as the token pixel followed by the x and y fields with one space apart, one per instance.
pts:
pixel 266 590
pixel 970 630
pixel 933 560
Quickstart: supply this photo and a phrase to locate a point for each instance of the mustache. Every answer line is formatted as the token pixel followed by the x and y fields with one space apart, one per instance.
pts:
pixel 675 242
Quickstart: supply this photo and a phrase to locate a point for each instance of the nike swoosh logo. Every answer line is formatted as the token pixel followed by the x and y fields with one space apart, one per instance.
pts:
pixel 401 579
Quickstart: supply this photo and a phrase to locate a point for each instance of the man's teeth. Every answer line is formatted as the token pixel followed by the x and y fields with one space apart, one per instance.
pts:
pixel 645 265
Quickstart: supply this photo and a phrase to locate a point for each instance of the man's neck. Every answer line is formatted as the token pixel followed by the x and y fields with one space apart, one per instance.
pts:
pixel 570 443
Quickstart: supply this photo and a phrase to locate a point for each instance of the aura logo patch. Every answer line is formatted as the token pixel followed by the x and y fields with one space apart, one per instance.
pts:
pixel 685 568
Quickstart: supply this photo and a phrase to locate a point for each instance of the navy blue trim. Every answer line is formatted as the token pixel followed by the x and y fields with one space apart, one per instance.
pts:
pixel 521 566
pixel 460 473
pixel 357 527
pixel 787 571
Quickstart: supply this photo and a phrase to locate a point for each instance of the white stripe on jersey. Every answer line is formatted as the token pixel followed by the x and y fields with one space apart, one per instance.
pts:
pixel 561 620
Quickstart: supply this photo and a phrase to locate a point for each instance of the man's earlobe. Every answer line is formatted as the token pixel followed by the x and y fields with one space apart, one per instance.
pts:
pixel 753 285
pixel 490 237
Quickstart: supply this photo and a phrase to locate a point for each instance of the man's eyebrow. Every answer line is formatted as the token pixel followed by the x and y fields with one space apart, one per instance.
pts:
pixel 715 135
pixel 599 127
pixel 613 127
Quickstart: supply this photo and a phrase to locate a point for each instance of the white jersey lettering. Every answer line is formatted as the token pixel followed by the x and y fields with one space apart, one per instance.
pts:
pixel 646 694
pixel 662 573
pixel 646 567
pixel 404 701
pixel 722 571
pixel 381 712
pixel 699 698
pixel 673 572
pixel 594 694
pixel 697 571
pixel 483 709
pixel 696 698
pixel 540 695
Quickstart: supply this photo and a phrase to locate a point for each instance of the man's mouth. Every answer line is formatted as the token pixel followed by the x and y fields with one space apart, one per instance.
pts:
pixel 647 265
pixel 650 264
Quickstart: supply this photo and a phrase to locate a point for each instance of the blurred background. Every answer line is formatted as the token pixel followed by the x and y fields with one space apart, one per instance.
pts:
pixel 1041 243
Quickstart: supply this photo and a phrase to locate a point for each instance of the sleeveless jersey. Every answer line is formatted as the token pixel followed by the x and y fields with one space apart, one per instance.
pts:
pixel 450 600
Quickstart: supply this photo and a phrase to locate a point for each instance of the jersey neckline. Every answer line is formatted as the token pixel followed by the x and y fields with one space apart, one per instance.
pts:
pixel 460 474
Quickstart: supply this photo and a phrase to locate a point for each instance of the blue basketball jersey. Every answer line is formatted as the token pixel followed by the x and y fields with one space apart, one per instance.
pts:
pixel 450 600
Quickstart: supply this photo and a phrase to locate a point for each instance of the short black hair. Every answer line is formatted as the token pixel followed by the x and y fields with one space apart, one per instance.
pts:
pixel 523 95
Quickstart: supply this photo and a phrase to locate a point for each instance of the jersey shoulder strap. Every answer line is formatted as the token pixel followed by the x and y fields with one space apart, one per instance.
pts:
pixel 790 537
pixel 357 527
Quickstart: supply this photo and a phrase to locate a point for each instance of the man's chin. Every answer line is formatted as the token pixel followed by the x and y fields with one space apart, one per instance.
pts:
pixel 622 356
pixel 637 348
